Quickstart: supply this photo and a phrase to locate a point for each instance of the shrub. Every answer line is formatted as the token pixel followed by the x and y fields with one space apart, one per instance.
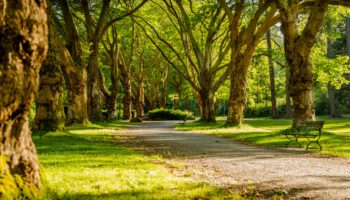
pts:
pixel 166 114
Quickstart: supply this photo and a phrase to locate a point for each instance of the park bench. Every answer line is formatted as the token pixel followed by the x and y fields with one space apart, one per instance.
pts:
pixel 311 130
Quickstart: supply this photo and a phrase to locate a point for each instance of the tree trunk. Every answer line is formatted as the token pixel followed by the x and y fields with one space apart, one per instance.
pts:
pixel 348 35
pixel 297 46
pixel 272 77
pixel 49 103
pixel 76 79
pixel 139 100
pixel 73 69
pixel 126 96
pixel 112 100
pixel 331 96
pixel 94 92
pixel 301 89
pixel 208 107
pixel 238 95
pixel 289 113
pixel 23 33
pixel 163 97
pixel 330 55
pixel 199 102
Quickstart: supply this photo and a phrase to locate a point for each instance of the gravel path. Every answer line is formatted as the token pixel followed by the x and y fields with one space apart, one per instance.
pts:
pixel 229 164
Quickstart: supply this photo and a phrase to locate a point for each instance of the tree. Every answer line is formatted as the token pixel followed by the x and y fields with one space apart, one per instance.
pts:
pixel 111 46
pixel 49 101
pixel 72 66
pixel 200 56
pixel 95 32
pixel 23 33
pixel 272 75
pixel 243 41
pixel 298 45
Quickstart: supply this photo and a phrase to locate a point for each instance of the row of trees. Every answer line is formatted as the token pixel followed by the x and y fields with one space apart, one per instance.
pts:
pixel 94 45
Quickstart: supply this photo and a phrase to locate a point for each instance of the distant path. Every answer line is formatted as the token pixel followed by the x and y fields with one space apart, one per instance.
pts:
pixel 226 163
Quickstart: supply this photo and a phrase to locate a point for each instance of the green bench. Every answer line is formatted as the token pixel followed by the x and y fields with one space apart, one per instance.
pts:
pixel 311 130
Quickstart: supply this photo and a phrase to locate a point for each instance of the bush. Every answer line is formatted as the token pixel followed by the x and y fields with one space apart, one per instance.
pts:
pixel 165 114
pixel 259 110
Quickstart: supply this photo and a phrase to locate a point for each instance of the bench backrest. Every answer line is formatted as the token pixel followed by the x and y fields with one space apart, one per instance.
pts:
pixel 311 125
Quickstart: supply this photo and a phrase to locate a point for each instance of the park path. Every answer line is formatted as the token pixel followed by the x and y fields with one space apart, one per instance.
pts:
pixel 230 164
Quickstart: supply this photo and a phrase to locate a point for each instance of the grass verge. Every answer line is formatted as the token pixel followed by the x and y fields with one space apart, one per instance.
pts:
pixel 335 139
pixel 88 163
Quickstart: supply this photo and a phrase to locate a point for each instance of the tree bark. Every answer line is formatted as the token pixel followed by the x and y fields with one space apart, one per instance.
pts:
pixel 94 92
pixel 112 100
pixel 272 76
pixel 297 51
pixel 238 95
pixel 348 36
pixel 139 100
pixel 49 102
pixel 163 97
pixel 289 113
pixel 74 72
pixel 208 106
pixel 75 78
pixel 330 55
pixel 125 79
pixel 23 47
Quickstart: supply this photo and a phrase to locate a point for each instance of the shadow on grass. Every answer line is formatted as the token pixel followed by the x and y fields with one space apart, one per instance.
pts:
pixel 88 163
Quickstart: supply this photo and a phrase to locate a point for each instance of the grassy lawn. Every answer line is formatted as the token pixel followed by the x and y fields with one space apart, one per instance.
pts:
pixel 87 163
pixel 335 140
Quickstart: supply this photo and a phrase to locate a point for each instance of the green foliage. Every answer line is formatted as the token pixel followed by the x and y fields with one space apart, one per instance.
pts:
pixel 260 110
pixel 166 114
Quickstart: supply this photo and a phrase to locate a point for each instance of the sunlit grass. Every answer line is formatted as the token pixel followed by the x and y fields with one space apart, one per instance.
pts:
pixel 335 140
pixel 87 163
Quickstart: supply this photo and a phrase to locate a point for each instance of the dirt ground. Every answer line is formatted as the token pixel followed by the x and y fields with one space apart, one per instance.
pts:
pixel 259 172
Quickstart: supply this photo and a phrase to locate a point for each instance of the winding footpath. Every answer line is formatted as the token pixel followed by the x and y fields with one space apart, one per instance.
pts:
pixel 230 164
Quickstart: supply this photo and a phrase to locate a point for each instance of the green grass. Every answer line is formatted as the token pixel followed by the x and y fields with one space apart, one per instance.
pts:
pixel 335 140
pixel 87 163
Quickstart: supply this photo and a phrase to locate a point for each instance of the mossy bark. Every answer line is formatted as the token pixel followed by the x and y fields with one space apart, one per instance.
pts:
pixel 74 71
pixel 23 36
pixel 49 102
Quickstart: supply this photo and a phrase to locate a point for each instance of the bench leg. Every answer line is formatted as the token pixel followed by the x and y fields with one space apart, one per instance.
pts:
pixel 293 140
pixel 316 142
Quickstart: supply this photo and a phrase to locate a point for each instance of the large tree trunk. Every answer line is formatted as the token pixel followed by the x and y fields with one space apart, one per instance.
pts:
pixel 126 96
pixel 94 92
pixel 49 103
pixel 208 107
pixel 73 69
pixel 238 95
pixel 198 101
pixel 272 76
pixel 75 78
pixel 23 33
pixel 301 89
